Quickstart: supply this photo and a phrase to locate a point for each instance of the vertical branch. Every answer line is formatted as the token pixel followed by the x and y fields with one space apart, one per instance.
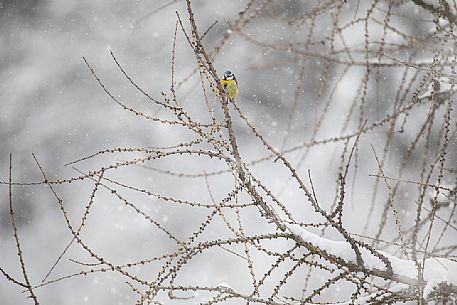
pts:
pixel 16 236
pixel 249 260
pixel 199 49
pixel 391 203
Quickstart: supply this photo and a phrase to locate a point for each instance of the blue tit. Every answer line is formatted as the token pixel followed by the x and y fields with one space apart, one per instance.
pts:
pixel 230 84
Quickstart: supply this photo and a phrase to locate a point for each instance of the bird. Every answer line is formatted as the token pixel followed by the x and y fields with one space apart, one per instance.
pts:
pixel 230 85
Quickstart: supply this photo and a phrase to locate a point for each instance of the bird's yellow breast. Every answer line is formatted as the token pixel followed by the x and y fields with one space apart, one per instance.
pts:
pixel 230 86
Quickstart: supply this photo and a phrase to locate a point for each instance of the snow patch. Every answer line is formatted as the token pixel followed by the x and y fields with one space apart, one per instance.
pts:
pixel 436 270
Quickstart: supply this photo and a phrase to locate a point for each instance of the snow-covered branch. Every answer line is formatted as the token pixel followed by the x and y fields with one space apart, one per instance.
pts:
pixel 434 270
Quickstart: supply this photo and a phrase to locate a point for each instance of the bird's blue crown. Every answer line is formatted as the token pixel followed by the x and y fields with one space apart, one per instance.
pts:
pixel 228 75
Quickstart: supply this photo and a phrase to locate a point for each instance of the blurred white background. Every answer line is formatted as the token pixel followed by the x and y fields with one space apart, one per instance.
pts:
pixel 53 107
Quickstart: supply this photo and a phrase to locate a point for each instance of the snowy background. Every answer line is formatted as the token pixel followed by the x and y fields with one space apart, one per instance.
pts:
pixel 53 107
